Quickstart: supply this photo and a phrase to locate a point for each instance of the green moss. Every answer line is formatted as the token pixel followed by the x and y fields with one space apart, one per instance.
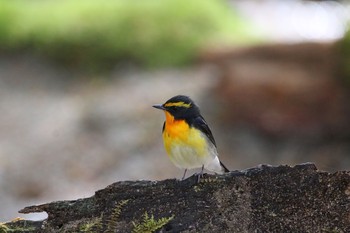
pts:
pixel 197 189
pixel 112 222
pixel 149 224
pixel 3 228
pixel 17 225
pixel 97 33
pixel 91 226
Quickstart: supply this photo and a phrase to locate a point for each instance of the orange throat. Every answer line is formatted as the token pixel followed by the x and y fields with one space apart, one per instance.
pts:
pixel 175 128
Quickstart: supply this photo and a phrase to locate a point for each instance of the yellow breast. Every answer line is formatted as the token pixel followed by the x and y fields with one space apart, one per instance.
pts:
pixel 185 145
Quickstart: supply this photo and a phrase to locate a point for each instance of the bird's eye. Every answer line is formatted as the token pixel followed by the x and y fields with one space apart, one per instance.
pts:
pixel 175 108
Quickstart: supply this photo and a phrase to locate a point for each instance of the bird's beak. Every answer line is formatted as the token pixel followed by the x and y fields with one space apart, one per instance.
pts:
pixel 159 106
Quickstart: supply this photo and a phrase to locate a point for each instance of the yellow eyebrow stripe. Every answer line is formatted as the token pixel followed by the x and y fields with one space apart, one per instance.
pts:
pixel 178 104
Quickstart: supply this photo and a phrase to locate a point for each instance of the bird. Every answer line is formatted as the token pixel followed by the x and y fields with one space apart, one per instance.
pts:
pixel 187 137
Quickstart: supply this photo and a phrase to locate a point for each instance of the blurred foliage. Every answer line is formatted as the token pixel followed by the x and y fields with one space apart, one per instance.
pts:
pixel 345 56
pixel 91 32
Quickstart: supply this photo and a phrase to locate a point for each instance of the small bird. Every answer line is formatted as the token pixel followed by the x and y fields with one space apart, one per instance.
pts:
pixel 187 137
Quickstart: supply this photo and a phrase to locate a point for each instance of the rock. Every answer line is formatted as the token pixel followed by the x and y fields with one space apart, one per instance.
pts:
pixel 261 199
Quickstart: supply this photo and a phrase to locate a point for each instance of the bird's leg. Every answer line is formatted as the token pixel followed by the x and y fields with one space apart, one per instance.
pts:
pixel 183 177
pixel 200 174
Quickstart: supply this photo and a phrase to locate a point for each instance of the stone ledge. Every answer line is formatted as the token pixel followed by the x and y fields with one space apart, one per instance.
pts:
pixel 260 199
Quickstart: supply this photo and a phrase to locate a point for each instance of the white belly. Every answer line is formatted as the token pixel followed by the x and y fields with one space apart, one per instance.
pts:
pixel 189 148
pixel 187 157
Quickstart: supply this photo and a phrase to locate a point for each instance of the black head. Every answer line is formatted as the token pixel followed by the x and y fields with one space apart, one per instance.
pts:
pixel 180 106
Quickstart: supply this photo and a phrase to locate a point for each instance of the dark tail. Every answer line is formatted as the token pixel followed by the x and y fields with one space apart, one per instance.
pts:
pixel 225 168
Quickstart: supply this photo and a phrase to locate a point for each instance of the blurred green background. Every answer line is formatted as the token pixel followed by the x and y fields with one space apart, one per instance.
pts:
pixel 78 79
pixel 99 33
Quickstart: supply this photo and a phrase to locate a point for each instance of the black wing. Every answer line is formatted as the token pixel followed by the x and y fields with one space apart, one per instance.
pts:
pixel 200 124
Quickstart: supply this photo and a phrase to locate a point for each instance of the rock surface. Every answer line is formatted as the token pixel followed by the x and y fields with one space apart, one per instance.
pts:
pixel 261 199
